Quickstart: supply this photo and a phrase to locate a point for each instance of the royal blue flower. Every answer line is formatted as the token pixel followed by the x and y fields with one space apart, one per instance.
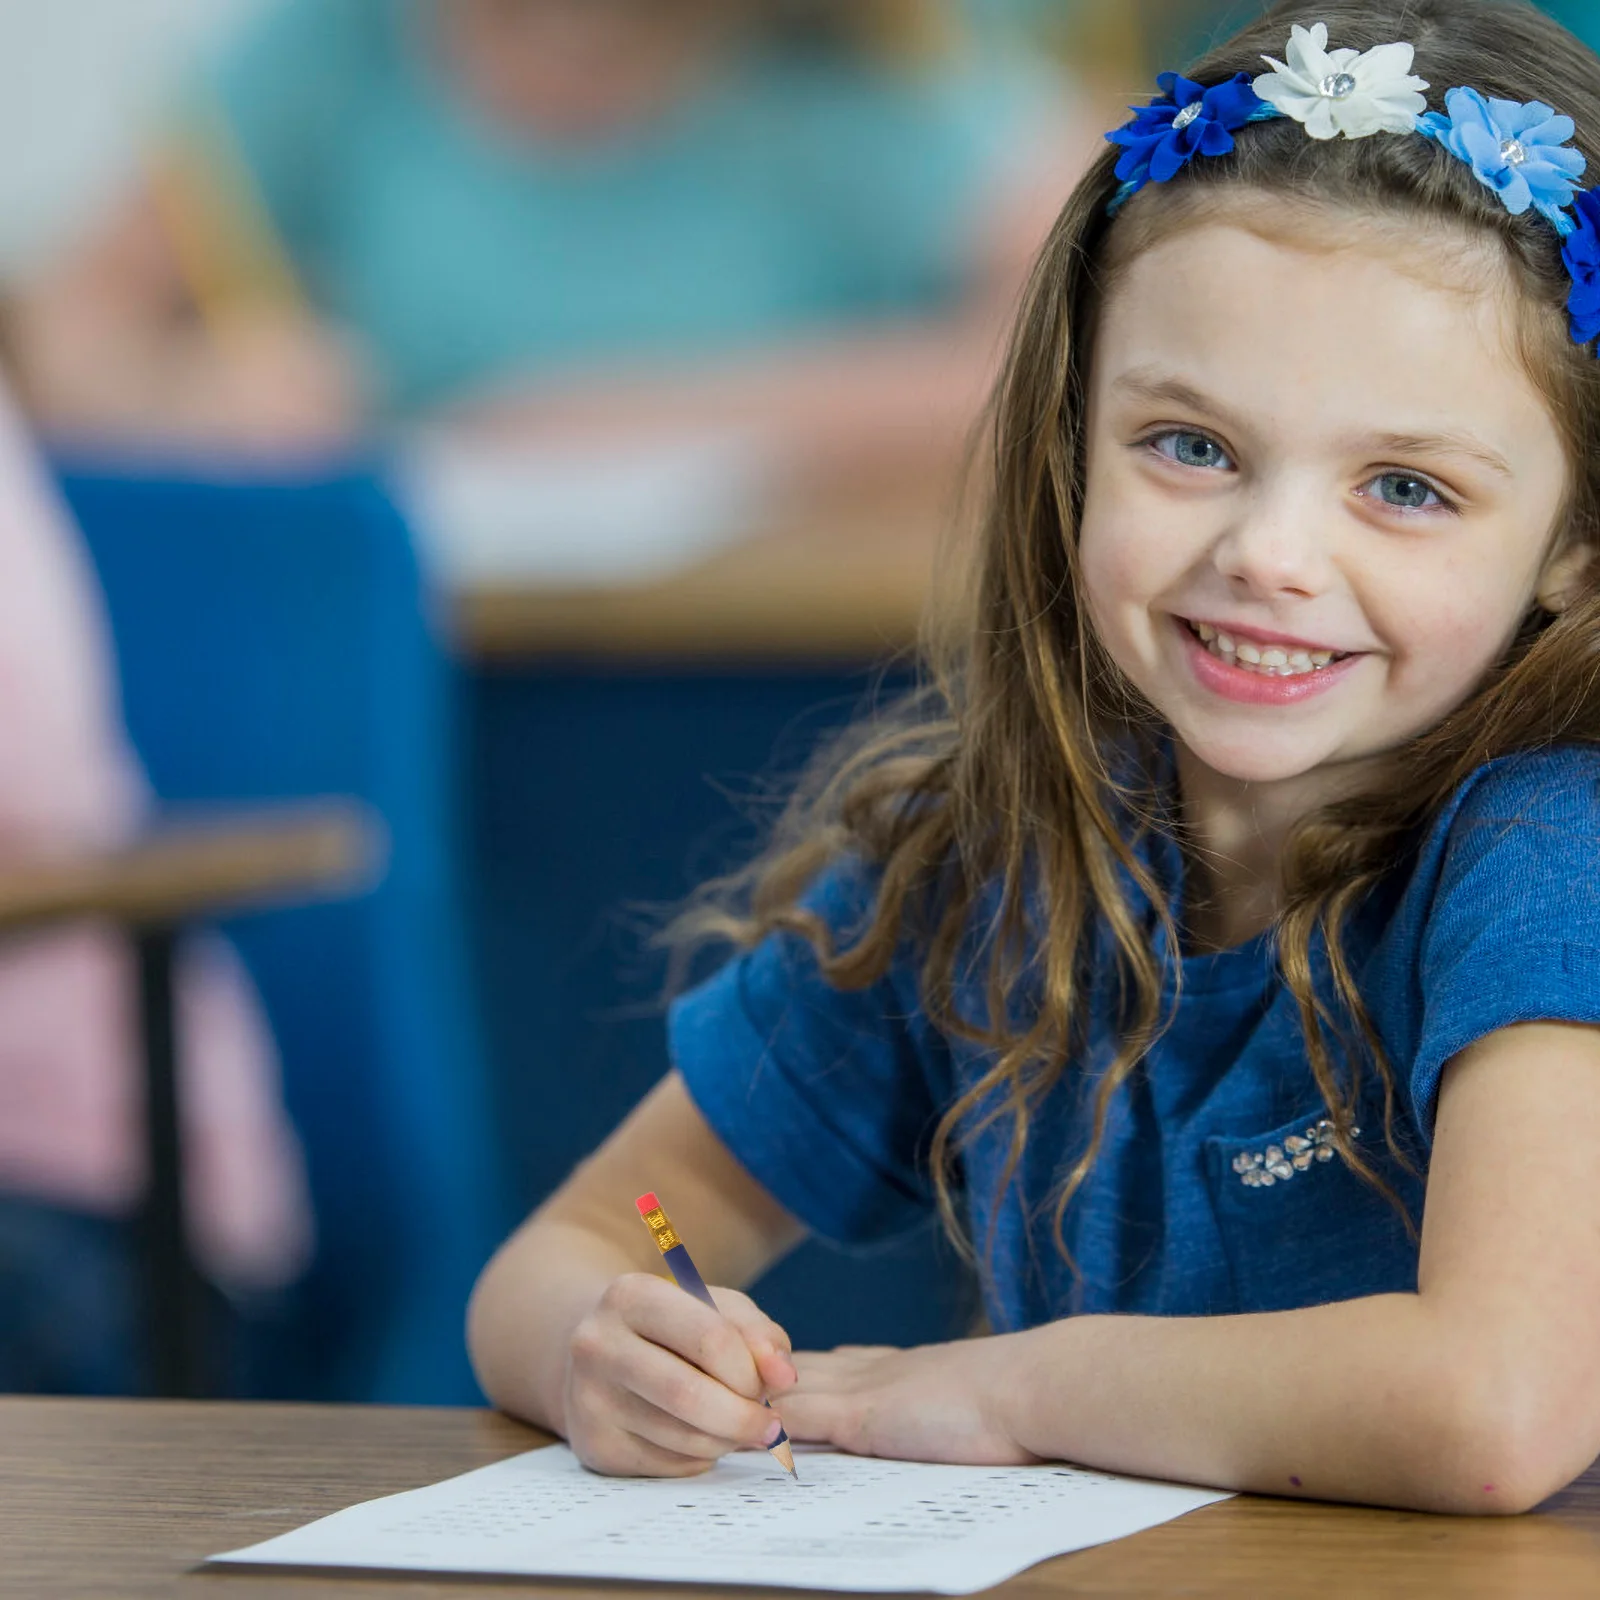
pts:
pixel 1581 252
pixel 1520 151
pixel 1166 134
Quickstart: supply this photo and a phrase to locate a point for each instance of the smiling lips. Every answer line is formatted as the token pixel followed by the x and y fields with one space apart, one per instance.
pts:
pixel 1278 677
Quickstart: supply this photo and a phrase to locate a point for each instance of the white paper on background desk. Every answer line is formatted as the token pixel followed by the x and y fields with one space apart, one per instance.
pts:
pixel 852 1522
pixel 489 512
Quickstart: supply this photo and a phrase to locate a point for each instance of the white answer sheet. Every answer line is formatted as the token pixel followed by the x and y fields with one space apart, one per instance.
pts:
pixel 850 1523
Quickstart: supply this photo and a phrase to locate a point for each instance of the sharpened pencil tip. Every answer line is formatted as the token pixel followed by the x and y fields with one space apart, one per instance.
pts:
pixel 785 1454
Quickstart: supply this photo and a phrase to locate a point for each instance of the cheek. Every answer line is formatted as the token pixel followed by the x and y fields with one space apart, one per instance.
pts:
pixel 1110 550
pixel 1450 641
pixel 1102 567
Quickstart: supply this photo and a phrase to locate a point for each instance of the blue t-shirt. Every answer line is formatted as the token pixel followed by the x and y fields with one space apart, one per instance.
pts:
pixel 829 1099
pixel 786 196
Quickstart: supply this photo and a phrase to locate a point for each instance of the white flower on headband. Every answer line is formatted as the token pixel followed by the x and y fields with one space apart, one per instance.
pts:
pixel 1343 91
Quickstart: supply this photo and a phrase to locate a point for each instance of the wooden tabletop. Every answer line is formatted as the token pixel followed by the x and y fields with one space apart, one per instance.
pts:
pixel 211 863
pixel 127 1497
pixel 841 577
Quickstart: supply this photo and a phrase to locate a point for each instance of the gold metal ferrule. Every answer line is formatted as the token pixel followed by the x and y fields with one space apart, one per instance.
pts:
pixel 661 1230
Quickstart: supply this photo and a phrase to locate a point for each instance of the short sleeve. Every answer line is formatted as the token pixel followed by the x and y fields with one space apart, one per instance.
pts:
pixel 1514 931
pixel 828 1098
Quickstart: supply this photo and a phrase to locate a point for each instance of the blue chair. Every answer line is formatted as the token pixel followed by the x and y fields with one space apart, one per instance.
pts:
pixel 273 642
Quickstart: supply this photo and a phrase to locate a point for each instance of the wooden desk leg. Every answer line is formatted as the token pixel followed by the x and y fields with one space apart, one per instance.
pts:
pixel 174 1301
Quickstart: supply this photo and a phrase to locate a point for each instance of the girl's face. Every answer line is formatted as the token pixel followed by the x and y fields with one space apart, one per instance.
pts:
pixel 1330 442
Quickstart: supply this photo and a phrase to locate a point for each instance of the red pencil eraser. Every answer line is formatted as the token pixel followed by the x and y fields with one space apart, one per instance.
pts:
pixel 646 1204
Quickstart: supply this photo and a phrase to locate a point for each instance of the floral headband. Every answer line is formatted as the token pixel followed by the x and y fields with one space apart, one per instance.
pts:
pixel 1520 151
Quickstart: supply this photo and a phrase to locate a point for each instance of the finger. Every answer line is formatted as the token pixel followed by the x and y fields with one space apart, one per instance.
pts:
pixel 808 1417
pixel 814 1365
pixel 621 1454
pixel 663 1314
pixel 768 1341
pixel 758 1328
pixel 843 1365
pixel 778 1371
pixel 683 1390
pixel 674 1435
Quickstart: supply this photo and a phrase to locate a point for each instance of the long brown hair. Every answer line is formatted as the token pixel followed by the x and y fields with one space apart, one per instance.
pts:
pixel 1002 772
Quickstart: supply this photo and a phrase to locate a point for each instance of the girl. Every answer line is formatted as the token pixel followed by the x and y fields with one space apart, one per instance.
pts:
pixel 1219 948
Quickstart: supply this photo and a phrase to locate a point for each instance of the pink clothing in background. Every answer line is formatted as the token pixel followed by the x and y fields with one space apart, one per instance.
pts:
pixel 71 1106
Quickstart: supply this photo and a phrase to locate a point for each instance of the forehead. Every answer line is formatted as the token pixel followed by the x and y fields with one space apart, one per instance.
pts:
pixel 1326 317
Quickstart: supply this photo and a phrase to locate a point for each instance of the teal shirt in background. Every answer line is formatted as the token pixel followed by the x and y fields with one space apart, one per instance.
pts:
pixel 791 196
pixel 1582 17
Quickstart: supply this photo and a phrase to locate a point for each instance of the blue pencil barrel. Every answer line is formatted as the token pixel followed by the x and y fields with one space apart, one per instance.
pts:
pixel 686 1274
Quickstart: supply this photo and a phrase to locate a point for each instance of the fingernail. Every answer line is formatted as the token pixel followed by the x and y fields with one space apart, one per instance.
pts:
pixel 773 1432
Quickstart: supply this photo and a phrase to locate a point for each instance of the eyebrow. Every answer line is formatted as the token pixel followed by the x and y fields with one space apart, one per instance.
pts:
pixel 1454 444
pixel 1144 385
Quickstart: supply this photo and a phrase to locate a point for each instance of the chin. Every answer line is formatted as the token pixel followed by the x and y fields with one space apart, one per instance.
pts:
pixel 1260 761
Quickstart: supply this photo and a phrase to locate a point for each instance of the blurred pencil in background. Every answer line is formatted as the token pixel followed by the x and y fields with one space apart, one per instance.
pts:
pixel 218 226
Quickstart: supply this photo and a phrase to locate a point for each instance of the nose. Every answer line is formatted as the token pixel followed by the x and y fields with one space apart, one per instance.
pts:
pixel 1278 539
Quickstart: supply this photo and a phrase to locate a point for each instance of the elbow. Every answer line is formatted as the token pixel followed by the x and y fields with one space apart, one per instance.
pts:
pixel 485 1342
pixel 1504 1452
pixel 479 1342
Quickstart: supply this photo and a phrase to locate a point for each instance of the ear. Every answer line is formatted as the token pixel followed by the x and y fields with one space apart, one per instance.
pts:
pixel 1559 582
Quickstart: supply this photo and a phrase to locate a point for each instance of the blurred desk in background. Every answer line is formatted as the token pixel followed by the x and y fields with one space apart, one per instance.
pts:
pixel 840 581
pixel 177 874
pixel 196 868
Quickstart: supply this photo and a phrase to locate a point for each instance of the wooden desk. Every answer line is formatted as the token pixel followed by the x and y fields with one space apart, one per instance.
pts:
pixel 126 1497
pixel 202 867
pixel 840 578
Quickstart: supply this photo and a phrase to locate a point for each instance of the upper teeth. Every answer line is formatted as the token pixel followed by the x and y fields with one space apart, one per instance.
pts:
pixel 1272 656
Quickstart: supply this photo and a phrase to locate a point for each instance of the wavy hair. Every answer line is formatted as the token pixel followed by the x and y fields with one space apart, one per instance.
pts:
pixel 1006 769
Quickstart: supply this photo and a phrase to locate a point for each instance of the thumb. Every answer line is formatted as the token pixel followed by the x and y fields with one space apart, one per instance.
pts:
pixel 777 1368
pixel 768 1342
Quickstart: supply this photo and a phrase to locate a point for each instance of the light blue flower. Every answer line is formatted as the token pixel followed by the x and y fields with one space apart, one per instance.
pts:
pixel 1518 150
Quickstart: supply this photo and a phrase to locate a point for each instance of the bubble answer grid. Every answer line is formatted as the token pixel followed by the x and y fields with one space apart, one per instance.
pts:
pixel 851 1523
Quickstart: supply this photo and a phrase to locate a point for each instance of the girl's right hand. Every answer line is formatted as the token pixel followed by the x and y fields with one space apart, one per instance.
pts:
pixel 660 1385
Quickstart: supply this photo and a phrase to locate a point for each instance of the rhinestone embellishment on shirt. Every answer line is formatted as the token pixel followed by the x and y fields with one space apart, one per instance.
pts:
pixel 1337 86
pixel 1260 1169
pixel 1187 115
pixel 1513 153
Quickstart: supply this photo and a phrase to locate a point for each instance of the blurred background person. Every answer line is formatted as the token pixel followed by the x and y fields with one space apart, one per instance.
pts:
pixel 71 1098
pixel 567 218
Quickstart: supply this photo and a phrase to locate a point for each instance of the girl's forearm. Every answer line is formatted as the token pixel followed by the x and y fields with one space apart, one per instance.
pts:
pixel 1370 1400
pixel 545 1279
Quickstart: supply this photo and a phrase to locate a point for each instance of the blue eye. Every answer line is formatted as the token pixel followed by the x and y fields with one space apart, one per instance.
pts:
pixel 1190 449
pixel 1405 491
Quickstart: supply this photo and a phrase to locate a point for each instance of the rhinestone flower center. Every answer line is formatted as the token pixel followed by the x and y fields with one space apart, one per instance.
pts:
pixel 1337 86
pixel 1261 1169
pixel 1513 153
pixel 1187 115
